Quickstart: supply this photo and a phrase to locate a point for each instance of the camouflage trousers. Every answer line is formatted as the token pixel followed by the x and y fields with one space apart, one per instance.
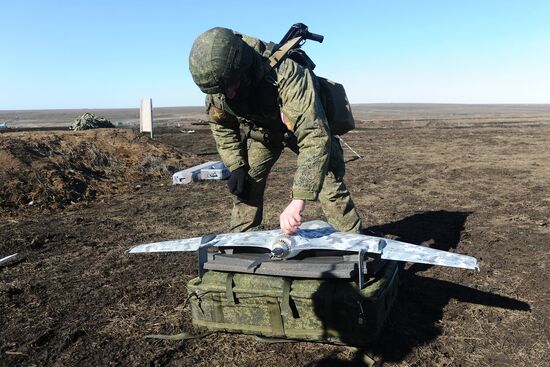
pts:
pixel 334 197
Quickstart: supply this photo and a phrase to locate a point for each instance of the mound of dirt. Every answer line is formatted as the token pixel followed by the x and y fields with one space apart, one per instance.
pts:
pixel 53 170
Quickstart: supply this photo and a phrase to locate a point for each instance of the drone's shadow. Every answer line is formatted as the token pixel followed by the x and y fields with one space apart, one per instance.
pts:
pixel 421 300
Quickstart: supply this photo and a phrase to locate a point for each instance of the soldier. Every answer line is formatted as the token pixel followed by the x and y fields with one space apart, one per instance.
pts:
pixel 254 114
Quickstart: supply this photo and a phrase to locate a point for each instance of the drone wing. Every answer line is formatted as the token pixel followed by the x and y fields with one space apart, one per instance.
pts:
pixel 318 235
pixel 186 244
pixel 401 251
pixel 387 248
pixel 261 239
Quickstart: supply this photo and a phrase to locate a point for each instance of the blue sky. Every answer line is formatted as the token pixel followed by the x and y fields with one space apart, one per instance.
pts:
pixel 111 54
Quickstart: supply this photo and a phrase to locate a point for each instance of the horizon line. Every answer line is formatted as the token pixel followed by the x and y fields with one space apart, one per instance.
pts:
pixel 352 104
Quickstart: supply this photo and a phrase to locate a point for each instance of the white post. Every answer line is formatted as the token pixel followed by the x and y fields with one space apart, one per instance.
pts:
pixel 146 116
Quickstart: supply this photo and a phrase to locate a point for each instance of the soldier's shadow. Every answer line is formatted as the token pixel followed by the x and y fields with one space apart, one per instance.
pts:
pixel 421 300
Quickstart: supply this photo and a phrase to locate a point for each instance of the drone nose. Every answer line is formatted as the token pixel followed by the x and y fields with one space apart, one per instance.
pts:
pixel 281 246
pixel 278 252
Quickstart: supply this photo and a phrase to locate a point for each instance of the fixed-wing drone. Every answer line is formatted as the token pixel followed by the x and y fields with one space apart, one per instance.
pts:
pixel 313 235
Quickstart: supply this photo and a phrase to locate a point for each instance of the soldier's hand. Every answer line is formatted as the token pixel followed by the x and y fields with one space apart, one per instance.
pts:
pixel 291 218
pixel 236 182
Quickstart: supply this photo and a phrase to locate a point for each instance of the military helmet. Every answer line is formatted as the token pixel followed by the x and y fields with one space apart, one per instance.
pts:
pixel 218 57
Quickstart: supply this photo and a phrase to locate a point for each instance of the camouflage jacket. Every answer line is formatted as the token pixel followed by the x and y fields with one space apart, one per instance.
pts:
pixel 292 99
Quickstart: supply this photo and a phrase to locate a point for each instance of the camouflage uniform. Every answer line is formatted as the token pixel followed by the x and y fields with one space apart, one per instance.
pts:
pixel 286 99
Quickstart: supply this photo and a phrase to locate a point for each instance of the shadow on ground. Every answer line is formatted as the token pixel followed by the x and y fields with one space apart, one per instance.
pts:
pixel 416 313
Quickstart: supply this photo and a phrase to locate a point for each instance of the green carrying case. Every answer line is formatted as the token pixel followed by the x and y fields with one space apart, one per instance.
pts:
pixel 324 310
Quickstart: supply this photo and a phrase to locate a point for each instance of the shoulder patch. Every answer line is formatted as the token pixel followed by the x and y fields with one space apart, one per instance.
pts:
pixel 217 114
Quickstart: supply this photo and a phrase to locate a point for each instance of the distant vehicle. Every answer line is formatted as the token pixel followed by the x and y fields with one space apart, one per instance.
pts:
pixel 3 126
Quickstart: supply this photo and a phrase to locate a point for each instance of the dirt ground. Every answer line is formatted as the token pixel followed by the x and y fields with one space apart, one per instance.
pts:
pixel 472 180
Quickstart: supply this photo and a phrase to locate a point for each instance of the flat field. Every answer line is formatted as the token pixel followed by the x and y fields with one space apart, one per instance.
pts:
pixel 471 179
